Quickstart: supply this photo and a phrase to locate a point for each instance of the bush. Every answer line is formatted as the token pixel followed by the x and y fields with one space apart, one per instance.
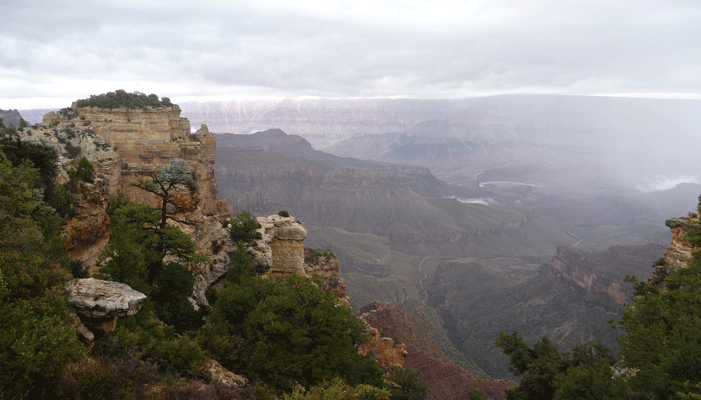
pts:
pixel 71 151
pixel 409 387
pixel 283 213
pixel 243 227
pixel 107 378
pixel 85 171
pixel 295 332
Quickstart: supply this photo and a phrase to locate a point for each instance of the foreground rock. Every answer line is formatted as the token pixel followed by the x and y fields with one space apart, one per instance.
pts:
pixel 98 303
pixel 94 298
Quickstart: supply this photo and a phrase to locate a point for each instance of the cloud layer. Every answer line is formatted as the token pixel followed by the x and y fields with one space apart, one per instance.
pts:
pixel 56 51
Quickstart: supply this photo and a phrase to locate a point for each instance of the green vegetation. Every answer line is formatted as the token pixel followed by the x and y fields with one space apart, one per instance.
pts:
pixel 336 389
pixel 407 385
pixel 243 227
pixel 37 340
pixel 83 172
pixel 292 331
pixel 120 98
pixel 283 213
pixel 312 256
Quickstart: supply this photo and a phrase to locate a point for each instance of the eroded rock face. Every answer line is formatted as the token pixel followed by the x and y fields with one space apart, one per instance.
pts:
pixel 94 298
pixel 388 353
pixel 286 246
pixel 91 225
pixel 678 253
pixel 326 265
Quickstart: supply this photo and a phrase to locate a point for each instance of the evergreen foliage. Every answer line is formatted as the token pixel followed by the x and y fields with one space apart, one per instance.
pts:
pixel 37 340
pixel 336 389
pixel 293 331
pixel 121 98
pixel 243 227
pixel 548 373
pixel 83 172
pixel 408 386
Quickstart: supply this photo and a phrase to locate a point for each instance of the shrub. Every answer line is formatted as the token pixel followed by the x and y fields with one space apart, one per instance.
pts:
pixel 84 172
pixel 283 213
pixel 243 227
pixel 71 150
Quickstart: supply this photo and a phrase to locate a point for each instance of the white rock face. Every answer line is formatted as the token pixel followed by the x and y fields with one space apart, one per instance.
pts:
pixel 94 298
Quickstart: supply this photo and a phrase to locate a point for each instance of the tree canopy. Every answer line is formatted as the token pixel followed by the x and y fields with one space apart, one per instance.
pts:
pixel 37 339
pixel 294 332
pixel 121 98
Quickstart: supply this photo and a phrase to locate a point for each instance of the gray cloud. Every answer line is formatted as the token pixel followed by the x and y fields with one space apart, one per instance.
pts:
pixel 68 49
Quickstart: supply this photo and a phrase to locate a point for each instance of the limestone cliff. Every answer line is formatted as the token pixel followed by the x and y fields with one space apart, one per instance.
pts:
pixel 124 144
pixel 679 252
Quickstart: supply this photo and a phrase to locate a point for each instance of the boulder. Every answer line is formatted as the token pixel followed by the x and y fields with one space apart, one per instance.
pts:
pixel 94 298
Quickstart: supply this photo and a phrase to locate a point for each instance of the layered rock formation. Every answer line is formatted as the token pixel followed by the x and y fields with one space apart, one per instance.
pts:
pixel 679 252
pixel 389 354
pixel 286 245
pixel 125 143
pixel 99 303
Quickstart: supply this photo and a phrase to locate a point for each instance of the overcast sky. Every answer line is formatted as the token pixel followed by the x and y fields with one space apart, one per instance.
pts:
pixel 57 51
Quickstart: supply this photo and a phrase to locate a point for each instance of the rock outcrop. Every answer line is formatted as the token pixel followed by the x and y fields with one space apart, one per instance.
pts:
pixel 99 303
pixel 88 231
pixel 124 144
pixel 226 378
pixel 146 139
pixel 94 298
pixel 388 353
pixel 286 245
pixel 279 251
pixel 325 264
pixel 679 252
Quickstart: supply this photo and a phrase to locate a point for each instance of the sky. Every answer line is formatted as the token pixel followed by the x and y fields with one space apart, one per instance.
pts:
pixel 57 51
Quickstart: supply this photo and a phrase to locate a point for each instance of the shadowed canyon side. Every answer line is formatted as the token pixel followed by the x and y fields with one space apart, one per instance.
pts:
pixel 446 380
pixel 569 300
pixel 10 118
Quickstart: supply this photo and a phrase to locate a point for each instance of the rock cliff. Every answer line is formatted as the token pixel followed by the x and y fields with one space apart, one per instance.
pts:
pixel 679 252
pixel 124 144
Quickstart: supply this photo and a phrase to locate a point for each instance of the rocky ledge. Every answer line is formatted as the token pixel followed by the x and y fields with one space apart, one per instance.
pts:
pixel 97 305
pixel 94 298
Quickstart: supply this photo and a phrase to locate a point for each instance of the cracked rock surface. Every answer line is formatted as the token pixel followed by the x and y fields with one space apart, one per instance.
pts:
pixel 94 298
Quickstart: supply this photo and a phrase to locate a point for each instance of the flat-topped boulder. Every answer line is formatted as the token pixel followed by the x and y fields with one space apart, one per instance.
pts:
pixel 94 298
